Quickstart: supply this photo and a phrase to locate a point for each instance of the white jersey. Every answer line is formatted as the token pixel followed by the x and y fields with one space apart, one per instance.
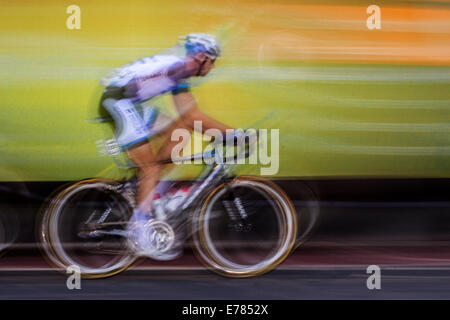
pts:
pixel 150 76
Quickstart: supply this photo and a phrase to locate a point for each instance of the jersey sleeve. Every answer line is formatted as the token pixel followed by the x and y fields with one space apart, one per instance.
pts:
pixel 183 85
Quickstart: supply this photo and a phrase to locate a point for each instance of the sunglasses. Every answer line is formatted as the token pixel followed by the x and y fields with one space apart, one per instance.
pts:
pixel 210 57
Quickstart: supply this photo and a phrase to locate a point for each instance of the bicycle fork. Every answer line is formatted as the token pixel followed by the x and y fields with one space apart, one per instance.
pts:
pixel 236 212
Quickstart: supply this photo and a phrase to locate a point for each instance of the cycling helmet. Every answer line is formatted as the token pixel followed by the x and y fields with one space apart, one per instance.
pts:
pixel 202 42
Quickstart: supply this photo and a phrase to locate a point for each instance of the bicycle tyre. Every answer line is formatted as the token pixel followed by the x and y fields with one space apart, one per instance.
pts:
pixel 207 237
pixel 59 205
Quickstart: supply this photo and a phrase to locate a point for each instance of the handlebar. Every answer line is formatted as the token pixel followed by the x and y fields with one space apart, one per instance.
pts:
pixel 245 141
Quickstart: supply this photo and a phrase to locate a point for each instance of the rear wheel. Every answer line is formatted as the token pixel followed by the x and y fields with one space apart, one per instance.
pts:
pixel 248 236
pixel 84 225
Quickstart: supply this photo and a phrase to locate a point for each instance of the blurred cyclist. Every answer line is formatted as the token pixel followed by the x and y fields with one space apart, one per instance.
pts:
pixel 145 79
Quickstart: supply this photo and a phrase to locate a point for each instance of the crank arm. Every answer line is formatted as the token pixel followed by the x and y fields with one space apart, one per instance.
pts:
pixel 100 233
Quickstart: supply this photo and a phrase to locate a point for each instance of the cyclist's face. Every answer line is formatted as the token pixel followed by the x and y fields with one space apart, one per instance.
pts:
pixel 207 66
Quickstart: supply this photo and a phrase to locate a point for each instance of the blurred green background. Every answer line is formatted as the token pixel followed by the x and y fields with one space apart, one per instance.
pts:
pixel 348 101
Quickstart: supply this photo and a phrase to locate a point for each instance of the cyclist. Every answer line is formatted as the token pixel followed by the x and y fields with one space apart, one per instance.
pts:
pixel 140 81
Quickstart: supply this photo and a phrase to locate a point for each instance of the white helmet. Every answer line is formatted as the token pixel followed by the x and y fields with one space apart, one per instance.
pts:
pixel 202 42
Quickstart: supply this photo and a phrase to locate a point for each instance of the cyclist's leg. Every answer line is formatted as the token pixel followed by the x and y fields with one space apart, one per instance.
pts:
pixel 149 176
pixel 132 135
pixel 149 171
pixel 130 130
pixel 165 152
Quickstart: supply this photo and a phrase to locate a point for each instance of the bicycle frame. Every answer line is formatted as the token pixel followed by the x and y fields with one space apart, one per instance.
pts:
pixel 212 176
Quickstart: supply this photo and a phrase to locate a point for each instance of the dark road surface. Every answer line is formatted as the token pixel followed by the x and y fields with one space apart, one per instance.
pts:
pixel 317 270
pixel 325 283
pixel 408 237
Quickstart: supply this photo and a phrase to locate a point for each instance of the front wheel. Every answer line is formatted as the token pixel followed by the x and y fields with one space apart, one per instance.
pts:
pixel 245 227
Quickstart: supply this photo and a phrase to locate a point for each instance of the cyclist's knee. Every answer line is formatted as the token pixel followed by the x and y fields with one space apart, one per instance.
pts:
pixel 148 172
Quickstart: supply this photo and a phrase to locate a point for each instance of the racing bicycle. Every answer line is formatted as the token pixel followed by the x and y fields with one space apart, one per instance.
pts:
pixel 238 226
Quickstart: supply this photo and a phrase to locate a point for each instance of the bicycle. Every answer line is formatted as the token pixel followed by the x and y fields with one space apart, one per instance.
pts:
pixel 239 226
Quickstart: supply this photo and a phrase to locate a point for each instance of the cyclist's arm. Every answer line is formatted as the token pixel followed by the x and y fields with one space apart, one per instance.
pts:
pixel 189 112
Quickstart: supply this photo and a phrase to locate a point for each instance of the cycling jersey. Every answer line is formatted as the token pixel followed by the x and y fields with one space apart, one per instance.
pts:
pixel 148 77
pixel 138 81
